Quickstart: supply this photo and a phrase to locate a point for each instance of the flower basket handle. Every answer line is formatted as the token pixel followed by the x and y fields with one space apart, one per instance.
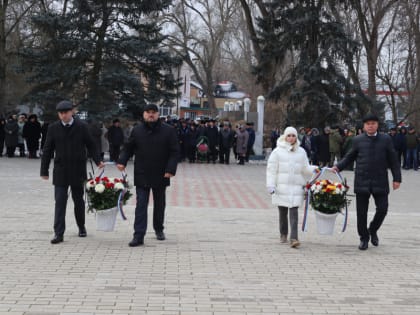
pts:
pixel 313 179
pixel 317 175
pixel 101 174
pixel 122 193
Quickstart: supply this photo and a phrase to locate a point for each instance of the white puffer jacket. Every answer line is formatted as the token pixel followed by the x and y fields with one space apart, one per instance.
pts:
pixel 287 168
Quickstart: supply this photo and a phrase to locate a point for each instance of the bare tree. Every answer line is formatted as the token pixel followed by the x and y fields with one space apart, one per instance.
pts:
pixel 376 20
pixel 12 15
pixel 197 30
pixel 411 10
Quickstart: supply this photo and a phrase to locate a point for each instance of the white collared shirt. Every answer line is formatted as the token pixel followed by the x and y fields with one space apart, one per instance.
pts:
pixel 69 123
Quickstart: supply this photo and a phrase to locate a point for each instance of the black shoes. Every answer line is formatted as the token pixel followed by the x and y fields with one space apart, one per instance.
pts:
pixel 57 239
pixel 374 238
pixel 160 236
pixel 364 245
pixel 82 232
pixel 136 242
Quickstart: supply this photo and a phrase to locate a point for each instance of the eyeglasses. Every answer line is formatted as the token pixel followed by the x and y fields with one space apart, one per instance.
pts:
pixel 291 135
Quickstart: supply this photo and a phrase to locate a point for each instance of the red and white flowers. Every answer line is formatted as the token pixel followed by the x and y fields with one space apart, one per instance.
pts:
pixel 104 192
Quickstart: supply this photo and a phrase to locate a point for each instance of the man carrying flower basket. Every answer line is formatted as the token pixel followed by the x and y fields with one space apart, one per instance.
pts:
pixel 67 141
pixel 156 149
pixel 373 153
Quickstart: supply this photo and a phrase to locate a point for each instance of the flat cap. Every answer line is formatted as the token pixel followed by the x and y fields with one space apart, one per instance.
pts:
pixel 370 117
pixel 152 107
pixel 64 106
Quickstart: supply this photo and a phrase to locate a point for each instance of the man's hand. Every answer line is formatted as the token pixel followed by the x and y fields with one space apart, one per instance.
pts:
pixel 168 175
pixel 45 177
pixel 121 167
pixel 396 185
pixel 101 165
pixel 335 169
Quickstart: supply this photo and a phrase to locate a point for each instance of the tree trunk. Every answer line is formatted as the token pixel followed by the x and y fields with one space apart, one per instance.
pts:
pixel 3 8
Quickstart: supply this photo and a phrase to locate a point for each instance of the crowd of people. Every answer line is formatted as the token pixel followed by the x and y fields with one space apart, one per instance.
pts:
pixel 332 143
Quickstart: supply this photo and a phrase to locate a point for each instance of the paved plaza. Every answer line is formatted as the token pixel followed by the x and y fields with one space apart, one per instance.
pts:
pixel 222 254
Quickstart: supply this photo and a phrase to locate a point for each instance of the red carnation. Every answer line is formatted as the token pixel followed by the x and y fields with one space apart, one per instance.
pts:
pixel 97 179
pixel 109 185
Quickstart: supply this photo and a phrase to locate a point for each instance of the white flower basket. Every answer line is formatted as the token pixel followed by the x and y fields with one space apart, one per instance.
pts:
pixel 325 222
pixel 105 219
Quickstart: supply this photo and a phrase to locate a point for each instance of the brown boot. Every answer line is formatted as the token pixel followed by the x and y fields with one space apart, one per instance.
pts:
pixel 294 243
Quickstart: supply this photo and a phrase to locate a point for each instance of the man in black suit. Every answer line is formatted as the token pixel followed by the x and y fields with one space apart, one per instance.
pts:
pixel 156 147
pixel 67 141
pixel 373 153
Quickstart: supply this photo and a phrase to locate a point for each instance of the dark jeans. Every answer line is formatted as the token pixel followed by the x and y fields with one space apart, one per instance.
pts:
pixel 159 203
pixel 412 159
pixel 61 196
pixel 362 205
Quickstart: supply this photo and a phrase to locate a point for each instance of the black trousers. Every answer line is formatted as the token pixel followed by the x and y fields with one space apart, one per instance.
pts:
pixel 362 205
pixel 159 203
pixel 224 155
pixel 114 152
pixel 61 196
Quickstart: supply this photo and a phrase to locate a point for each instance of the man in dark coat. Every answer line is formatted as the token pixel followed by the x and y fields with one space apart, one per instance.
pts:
pixel 212 134
pixel 373 153
pixel 32 134
pixel 156 149
pixel 69 140
pixel 226 136
pixel 115 137
pixel 11 130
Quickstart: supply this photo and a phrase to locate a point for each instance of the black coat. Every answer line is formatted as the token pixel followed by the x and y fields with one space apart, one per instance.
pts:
pixel 32 133
pixel 11 130
pixel 156 152
pixel 69 145
pixel 373 156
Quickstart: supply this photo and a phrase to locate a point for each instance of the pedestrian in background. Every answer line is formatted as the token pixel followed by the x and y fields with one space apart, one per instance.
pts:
pixel 275 134
pixel 324 147
pixel 287 167
pixel 156 149
pixel 241 144
pixel 402 149
pixel 373 153
pixel 67 141
pixel 336 141
pixel 251 140
pixel 32 134
pixel 226 136
pixel 2 135
pixel 11 130
pixel 21 140
pixel 411 149
pixel 115 137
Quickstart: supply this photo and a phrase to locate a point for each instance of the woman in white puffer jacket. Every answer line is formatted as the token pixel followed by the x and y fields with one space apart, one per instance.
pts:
pixel 287 168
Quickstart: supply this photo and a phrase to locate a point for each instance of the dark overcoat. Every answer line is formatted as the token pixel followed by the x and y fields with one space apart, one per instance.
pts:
pixel 70 145
pixel 156 151
pixel 32 133
pixel 373 156
pixel 11 130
